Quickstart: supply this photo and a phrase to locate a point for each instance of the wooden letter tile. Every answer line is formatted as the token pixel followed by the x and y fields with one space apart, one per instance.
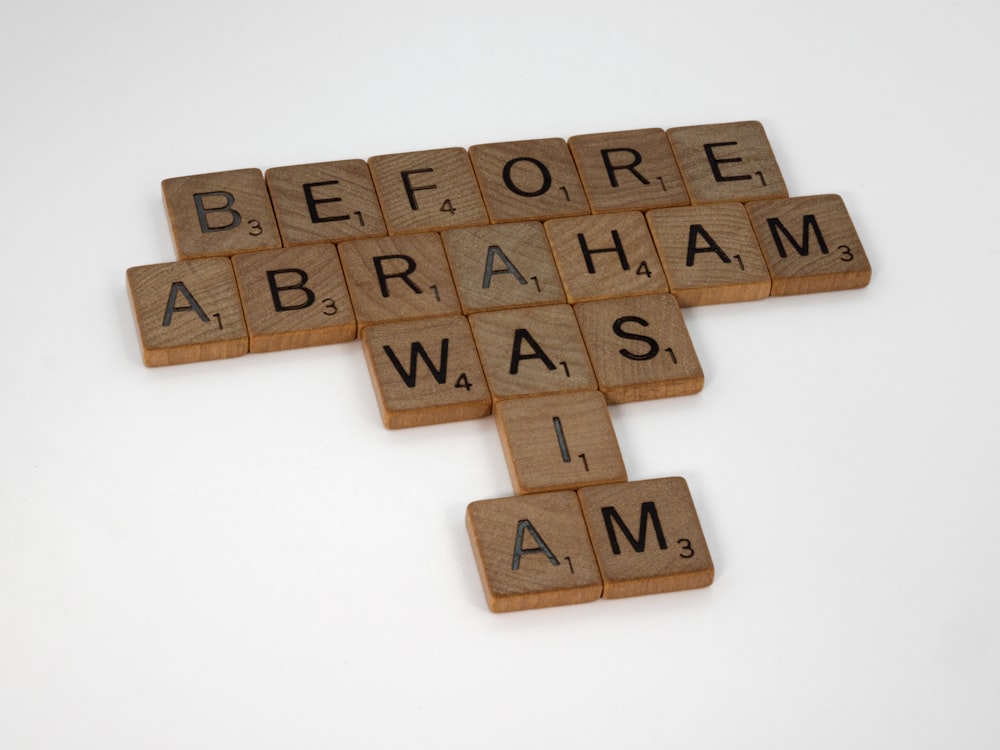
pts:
pixel 727 162
pixel 631 169
pixel 187 311
pixel 398 278
pixel 533 551
pixel 647 537
pixel 532 350
pixel 222 213
pixel 427 191
pixel 326 202
pixel 426 372
pixel 294 297
pixel 609 255
pixel 524 180
pixel 500 266
pixel 559 442
pixel 640 348
pixel 810 245
pixel 710 254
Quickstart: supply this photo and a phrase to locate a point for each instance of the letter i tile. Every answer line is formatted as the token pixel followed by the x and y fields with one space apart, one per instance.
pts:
pixel 647 537
pixel 533 551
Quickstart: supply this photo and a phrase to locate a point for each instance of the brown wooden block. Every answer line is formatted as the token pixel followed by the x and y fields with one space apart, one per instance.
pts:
pixel 499 266
pixel 608 255
pixel 810 245
pixel 533 551
pixel 640 348
pixel 529 180
pixel 187 311
pixel 647 537
pixel 532 350
pixel 559 442
pixel 727 162
pixel 294 297
pixel 710 254
pixel 426 372
pixel 398 278
pixel 222 213
pixel 630 169
pixel 325 202
pixel 427 191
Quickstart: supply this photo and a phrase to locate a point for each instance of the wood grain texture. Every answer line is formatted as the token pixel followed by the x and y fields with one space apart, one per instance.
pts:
pixel 501 266
pixel 529 180
pixel 426 372
pixel 647 537
pixel 710 254
pixel 220 213
pixel 325 202
pixel 294 297
pixel 398 278
pixel 629 169
pixel 559 442
pixel 810 245
pixel 604 256
pixel 427 191
pixel 533 551
pixel 640 348
pixel 187 311
pixel 727 162
pixel 533 350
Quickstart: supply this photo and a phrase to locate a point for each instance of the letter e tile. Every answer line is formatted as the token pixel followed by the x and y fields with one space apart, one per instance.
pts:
pixel 187 311
pixel 533 551
pixel 559 442
pixel 647 537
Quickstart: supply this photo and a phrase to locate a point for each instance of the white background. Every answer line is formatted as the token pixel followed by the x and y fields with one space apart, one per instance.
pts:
pixel 237 554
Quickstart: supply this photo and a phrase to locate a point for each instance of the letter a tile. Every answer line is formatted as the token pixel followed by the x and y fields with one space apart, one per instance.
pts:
pixel 647 537
pixel 221 213
pixel 533 551
pixel 559 442
pixel 426 372
pixel 810 245
pixel 187 311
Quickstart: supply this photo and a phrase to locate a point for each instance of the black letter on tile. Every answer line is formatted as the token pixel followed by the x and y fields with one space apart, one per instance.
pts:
pixel 203 212
pixel 383 277
pixel 313 201
pixel 168 314
pixel 272 280
pixel 409 377
pixel 715 161
pixel 521 335
pixel 519 550
pixel 546 178
pixel 697 230
pixel 654 346
pixel 631 166
pixel 587 252
pixel 647 512
pixel 490 270
pixel 411 190
pixel 809 225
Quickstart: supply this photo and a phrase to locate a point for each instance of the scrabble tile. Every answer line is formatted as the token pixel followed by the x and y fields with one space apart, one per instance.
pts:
pixel 533 551
pixel 640 348
pixel 222 213
pixel 398 278
pixel 325 202
pixel 559 442
pixel 187 311
pixel 630 169
pixel 603 256
pixel 727 162
pixel 294 297
pixel 647 537
pixel 810 245
pixel 710 254
pixel 499 266
pixel 426 372
pixel 532 350
pixel 529 180
pixel 427 191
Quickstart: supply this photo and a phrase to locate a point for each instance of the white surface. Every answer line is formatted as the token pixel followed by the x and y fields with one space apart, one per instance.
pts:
pixel 237 554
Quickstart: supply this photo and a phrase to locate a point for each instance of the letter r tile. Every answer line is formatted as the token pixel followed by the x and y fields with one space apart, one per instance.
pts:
pixel 221 213
pixel 426 372
pixel 647 537
pixel 533 551
pixel 559 442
